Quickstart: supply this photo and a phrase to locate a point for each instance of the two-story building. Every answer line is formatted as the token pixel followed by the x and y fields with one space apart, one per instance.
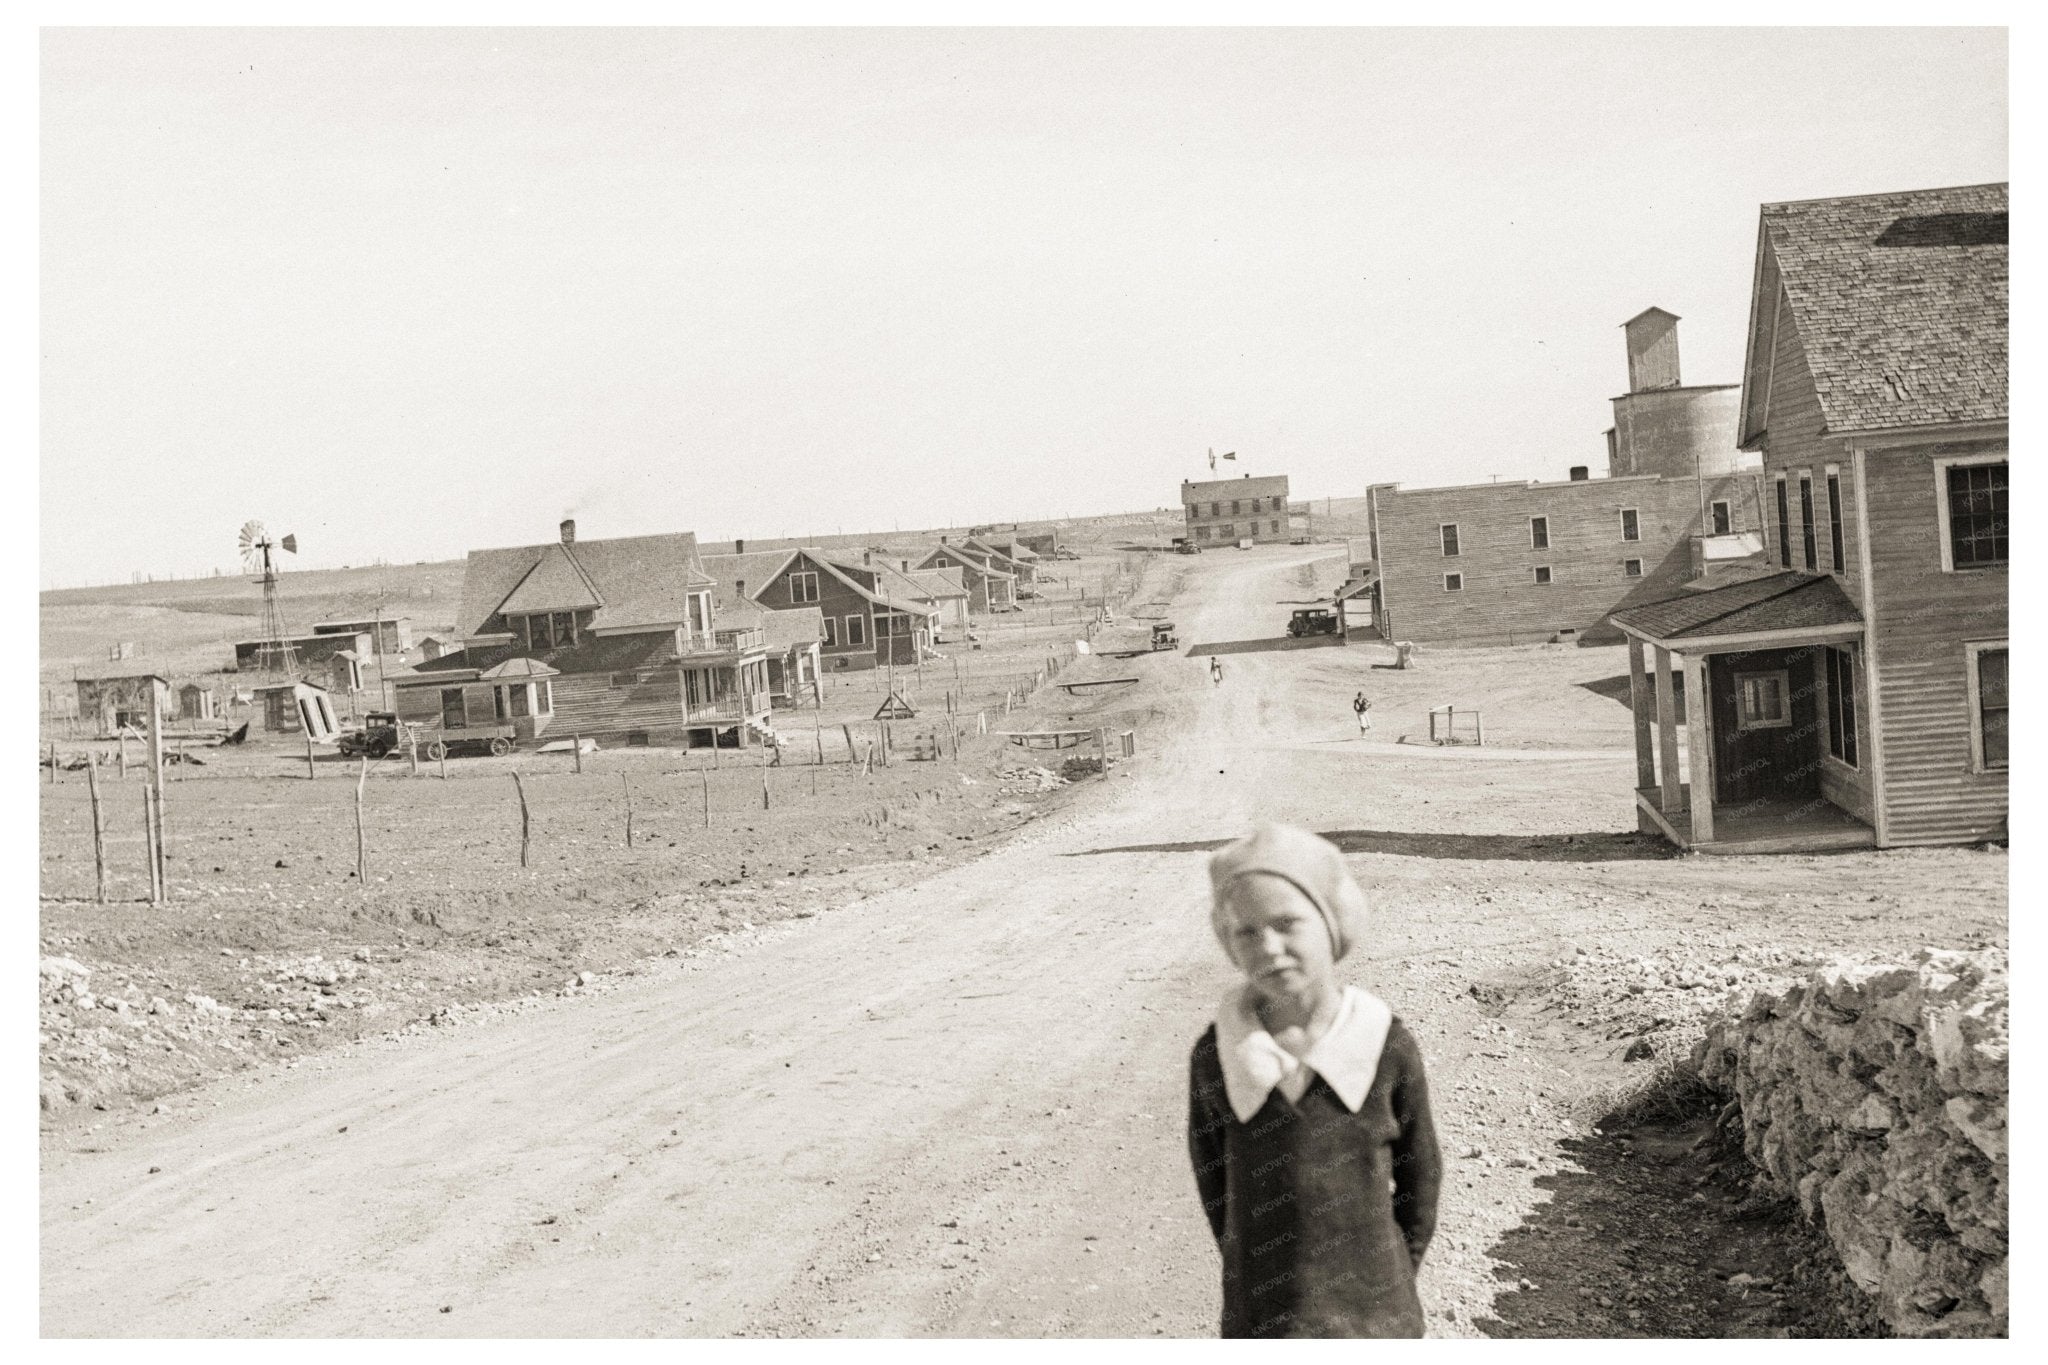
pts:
pixel 989 589
pixel 1225 511
pixel 1528 561
pixel 864 626
pixel 1857 693
pixel 614 639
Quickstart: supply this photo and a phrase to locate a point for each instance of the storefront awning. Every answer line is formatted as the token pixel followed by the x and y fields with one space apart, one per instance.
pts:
pixel 1779 608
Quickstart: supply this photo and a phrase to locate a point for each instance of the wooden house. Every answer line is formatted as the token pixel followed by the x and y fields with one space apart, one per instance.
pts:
pixel 299 708
pixel 311 654
pixel 614 639
pixel 111 701
pixel 1225 511
pixel 1018 561
pixel 1858 692
pixel 389 636
pixel 989 589
pixel 864 626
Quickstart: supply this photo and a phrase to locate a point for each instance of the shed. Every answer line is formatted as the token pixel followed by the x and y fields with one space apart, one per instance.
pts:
pixel 299 708
pixel 115 700
pixel 197 703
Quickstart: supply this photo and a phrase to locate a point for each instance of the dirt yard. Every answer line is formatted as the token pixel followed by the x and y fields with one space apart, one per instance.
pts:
pixel 941 1092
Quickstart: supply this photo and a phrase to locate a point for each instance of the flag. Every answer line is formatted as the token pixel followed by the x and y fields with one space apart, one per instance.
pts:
pixel 1231 455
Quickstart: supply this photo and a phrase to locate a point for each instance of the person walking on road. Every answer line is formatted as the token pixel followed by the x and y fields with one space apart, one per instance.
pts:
pixel 1362 708
pixel 1215 670
pixel 1309 1125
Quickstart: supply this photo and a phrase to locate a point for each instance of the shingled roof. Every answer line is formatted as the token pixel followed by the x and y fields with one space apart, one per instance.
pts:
pixel 1782 601
pixel 1899 301
pixel 630 581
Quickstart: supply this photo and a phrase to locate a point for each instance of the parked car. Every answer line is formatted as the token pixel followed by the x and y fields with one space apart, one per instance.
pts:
pixel 1312 621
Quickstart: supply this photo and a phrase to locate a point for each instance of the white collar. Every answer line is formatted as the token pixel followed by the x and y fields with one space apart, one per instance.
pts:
pixel 1347 1056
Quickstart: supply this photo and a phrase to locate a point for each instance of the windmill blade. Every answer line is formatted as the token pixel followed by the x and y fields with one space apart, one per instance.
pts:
pixel 290 543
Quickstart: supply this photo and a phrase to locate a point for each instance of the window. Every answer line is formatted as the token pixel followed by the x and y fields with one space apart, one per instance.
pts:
pixel 1837 559
pixel 547 698
pixel 1631 568
pixel 497 703
pixel 831 632
pixel 1454 582
pixel 1631 526
pixel 1974 513
pixel 856 629
pixel 1226 532
pixel 1721 519
pixel 1233 507
pixel 1215 509
pixel 453 716
pixel 1273 526
pixel 1763 701
pixel 1841 675
pixel 700 612
pixel 1784 525
pixel 696 691
pixel 1806 542
pixel 522 699
pixel 1542 573
pixel 803 587
pixel 1201 533
pixel 1448 533
pixel 1987 669
pixel 1539 533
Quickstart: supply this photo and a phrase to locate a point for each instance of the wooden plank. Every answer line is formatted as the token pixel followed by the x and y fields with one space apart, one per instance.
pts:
pixel 1698 739
pixel 1671 793
pixel 1642 707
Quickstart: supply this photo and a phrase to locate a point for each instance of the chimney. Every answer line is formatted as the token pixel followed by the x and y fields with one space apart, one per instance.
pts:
pixel 906 566
pixel 1580 473
pixel 568 531
pixel 867 558
pixel 739 585
pixel 1652 339
pixel 942 540
pixel 739 547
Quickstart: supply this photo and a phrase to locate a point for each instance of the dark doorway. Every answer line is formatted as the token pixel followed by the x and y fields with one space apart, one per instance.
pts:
pixel 1766 724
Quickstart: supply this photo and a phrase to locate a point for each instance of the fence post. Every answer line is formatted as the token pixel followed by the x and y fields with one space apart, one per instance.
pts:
pixel 764 777
pixel 442 761
pixel 99 848
pixel 577 742
pixel 412 752
pixel 309 758
pixel 852 754
pixel 626 784
pixel 525 819
pixel 149 841
pixel 362 862
pixel 156 781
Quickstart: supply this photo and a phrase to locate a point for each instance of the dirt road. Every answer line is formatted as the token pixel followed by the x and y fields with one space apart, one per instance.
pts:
pixel 956 1108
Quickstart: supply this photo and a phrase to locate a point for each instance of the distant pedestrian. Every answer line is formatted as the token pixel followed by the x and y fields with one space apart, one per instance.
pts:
pixel 1362 708
pixel 1215 670
pixel 1308 1115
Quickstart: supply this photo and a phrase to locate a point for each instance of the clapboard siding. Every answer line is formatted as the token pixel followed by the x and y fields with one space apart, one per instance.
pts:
pixel 1501 603
pixel 1924 617
pixel 1795 442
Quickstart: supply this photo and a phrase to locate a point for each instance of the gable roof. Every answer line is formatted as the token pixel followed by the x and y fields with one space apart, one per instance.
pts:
pixel 590 654
pixel 845 574
pixel 962 560
pixel 630 581
pixel 1900 303
pixel 754 568
pixel 1782 601
pixel 939 583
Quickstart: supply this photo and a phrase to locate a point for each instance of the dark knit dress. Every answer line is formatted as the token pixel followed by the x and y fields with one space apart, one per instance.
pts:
pixel 1321 1215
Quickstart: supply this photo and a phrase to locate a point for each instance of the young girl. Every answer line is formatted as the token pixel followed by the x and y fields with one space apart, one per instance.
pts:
pixel 1308 1115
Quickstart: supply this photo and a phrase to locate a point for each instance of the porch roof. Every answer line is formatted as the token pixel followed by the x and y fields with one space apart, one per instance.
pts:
pixel 1777 604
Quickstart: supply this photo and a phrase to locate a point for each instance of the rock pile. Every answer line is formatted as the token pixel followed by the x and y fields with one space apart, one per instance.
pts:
pixel 1876 1095
pixel 1024 779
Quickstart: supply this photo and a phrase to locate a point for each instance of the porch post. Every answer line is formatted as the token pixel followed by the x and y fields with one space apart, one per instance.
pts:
pixel 1699 746
pixel 1670 795
pixel 1643 706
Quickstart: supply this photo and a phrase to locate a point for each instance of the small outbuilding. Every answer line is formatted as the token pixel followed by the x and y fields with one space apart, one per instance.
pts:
pixel 197 703
pixel 118 700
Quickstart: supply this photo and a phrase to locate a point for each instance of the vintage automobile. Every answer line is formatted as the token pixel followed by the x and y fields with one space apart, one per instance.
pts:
pixel 1312 621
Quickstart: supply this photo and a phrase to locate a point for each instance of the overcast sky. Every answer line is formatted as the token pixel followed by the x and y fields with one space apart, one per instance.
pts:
pixel 410 292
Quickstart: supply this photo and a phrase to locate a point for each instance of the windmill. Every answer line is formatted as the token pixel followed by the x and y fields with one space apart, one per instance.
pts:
pixel 275 654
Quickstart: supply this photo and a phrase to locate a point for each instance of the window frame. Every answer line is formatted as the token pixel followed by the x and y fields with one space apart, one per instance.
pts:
pixel 1809 531
pixel 1449 586
pixel 1625 571
pixel 1544 578
pixel 857 630
pixel 802 582
pixel 1539 533
pixel 1942 466
pixel 1784 523
pixel 1452 545
pixel 461 707
pixel 1783 678
pixel 1845 737
pixel 1721 516
pixel 831 625
pixel 1838 556
pixel 1632 525
pixel 1973 651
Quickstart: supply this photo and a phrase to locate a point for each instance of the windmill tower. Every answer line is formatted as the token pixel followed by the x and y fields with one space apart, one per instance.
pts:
pixel 276 654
